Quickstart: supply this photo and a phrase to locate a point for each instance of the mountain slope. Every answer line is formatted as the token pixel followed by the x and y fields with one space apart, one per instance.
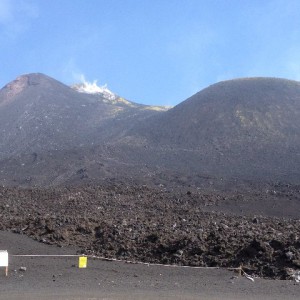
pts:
pixel 245 127
pixel 38 113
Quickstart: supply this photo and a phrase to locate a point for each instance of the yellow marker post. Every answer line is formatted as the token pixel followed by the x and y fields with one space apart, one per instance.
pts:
pixel 82 262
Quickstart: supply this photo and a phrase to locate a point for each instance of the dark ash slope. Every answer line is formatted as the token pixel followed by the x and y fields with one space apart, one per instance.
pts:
pixel 245 128
pixel 50 133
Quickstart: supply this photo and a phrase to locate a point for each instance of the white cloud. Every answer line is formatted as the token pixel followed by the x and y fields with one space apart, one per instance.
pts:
pixel 16 16
pixel 70 72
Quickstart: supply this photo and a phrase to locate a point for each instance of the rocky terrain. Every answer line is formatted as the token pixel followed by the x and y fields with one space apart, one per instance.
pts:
pixel 213 181
pixel 138 223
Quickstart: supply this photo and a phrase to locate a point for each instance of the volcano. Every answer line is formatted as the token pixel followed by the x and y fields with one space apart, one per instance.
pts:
pixel 243 129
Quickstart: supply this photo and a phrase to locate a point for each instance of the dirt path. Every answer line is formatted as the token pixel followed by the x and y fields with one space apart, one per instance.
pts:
pixel 59 278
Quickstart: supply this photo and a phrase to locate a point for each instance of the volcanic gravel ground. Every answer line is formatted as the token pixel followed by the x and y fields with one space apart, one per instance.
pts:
pixel 145 224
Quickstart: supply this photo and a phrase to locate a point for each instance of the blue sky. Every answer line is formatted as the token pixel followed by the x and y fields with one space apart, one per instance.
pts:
pixel 150 51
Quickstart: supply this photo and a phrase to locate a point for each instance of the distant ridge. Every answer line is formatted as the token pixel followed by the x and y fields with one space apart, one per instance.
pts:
pixel 40 114
pixel 263 105
pixel 242 129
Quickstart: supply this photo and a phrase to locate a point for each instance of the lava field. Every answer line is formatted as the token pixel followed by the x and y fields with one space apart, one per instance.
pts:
pixel 154 225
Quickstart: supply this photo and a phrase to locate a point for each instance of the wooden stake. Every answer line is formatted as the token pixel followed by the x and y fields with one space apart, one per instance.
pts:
pixel 6 271
pixel 240 270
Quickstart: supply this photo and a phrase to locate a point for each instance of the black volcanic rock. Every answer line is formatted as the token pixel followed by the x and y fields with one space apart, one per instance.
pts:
pixel 136 223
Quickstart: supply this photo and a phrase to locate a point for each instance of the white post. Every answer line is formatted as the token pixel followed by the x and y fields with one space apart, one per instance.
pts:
pixel 4 260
